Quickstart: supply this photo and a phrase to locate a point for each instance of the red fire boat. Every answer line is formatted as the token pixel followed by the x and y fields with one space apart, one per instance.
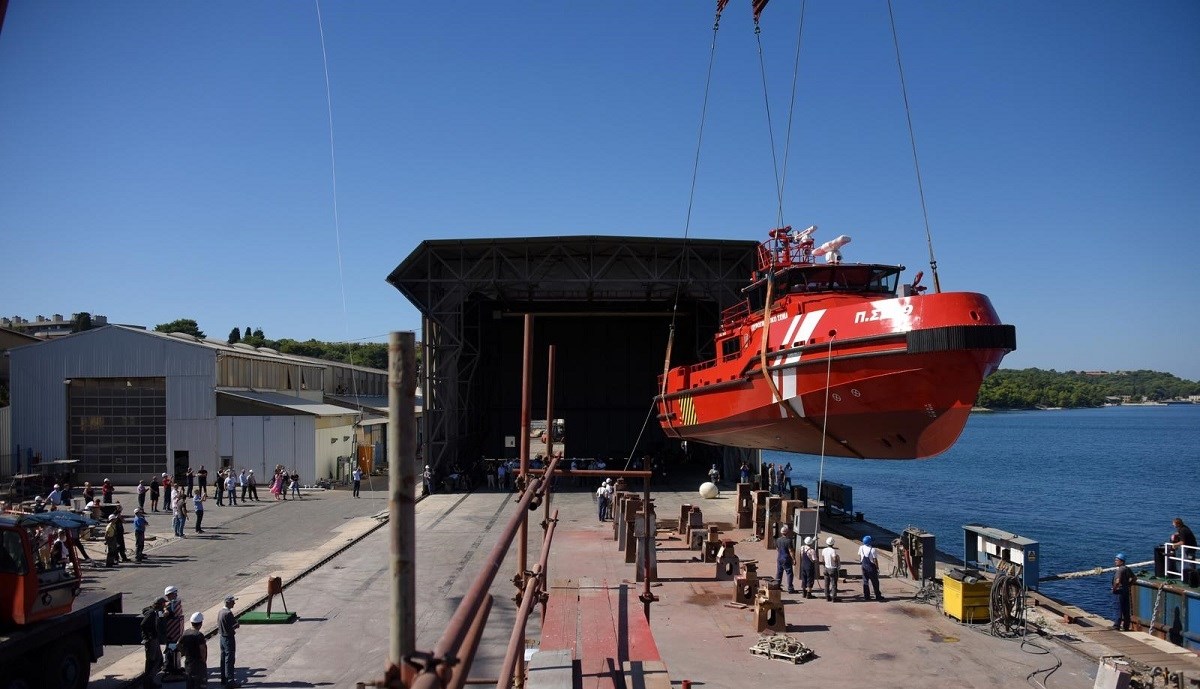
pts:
pixel 837 359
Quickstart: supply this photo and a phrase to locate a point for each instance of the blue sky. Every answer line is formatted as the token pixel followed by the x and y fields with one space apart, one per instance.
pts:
pixel 172 160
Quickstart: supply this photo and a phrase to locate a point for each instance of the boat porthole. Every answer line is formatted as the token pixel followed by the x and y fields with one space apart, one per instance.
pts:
pixel 902 439
pixel 974 315
pixel 886 442
pixel 832 333
pixel 855 392
pixel 836 397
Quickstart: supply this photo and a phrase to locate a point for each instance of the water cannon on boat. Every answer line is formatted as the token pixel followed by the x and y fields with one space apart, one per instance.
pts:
pixel 831 249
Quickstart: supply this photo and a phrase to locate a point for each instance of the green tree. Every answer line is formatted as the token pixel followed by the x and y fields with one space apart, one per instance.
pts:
pixel 248 335
pixel 183 325
pixel 235 335
pixel 81 321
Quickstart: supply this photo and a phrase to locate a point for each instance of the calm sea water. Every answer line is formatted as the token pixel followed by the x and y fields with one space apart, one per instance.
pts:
pixel 1084 483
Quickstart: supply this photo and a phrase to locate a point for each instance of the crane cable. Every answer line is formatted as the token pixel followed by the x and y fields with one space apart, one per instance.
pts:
pixel 791 110
pixel 684 267
pixel 937 285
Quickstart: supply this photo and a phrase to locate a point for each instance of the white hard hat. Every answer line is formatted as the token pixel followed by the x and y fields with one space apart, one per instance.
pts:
pixel 197 618
pixel 808 540
pixel 829 541
pixel 169 590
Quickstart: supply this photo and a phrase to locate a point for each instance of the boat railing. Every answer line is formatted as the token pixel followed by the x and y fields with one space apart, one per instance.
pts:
pixel 734 314
pixel 1179 559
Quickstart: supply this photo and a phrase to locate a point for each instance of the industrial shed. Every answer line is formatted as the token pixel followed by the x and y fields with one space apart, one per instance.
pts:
pixel 607 303
pixel 129 403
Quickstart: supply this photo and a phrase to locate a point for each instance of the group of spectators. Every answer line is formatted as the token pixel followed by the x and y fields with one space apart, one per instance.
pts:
pixel 186 650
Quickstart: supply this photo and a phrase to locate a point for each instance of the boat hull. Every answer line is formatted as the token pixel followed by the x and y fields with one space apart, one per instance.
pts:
pixel 901 390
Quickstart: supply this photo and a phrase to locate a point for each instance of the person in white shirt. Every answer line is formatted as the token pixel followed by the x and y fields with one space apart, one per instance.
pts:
pixel 832 564
pixel 602 500
pixel 869 560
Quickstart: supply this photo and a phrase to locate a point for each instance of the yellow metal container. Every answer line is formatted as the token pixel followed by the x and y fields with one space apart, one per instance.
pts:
pixel 966 602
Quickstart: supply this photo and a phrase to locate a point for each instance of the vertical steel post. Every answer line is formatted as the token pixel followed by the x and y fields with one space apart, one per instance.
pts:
pixel 526 394
pixel 402 480
pixel 549 431
pixel 648 535
pixel 526 405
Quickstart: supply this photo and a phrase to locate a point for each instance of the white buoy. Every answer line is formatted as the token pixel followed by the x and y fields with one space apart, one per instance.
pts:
pixel 709 490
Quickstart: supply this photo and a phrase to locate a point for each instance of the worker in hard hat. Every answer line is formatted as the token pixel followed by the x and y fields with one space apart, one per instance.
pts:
pixel 808 567
pixel 868 559
pixel 833 563
pixel 172 629
pixel 785 561
pixel 194 649
pixel 1122 587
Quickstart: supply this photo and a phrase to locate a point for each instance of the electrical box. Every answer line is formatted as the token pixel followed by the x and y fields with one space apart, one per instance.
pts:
pixel 920 551
pixel 804 522
pixel 994 550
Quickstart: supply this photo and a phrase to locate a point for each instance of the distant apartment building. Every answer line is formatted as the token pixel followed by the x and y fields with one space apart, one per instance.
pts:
pixel 46 328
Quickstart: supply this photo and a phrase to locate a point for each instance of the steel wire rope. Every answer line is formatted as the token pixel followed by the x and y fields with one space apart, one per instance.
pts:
pixel 762 68
pixel 684 267
pixel 824 434
pixel 937 285
pixel 337 225
pixel 787 145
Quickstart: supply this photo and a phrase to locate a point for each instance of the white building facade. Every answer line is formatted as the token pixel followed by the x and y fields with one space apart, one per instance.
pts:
pixel 131 403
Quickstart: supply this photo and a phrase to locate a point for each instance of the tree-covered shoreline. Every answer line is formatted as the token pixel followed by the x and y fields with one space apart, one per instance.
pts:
pixel 1034 387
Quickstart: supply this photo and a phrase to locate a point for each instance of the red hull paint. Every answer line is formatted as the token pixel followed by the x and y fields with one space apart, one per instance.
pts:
pixel 852 375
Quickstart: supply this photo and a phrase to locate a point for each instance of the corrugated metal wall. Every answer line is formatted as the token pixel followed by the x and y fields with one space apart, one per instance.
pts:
pixel 8 460
pixel 261 442
pixel 39 398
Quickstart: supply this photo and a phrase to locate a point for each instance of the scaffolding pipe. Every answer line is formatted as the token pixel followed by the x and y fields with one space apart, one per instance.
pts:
pixel 446 651
pixel 549 433
pixel 402 479
pixel 535 586
pixel 454 676
pixel 526 374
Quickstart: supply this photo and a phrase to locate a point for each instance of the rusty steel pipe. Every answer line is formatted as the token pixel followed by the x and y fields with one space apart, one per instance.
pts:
pixel 451 640
pixel 630 473
pixel 549 429
pixel 445 676
pixel 533 586
pixel 526 394
pixel 649 534
pixel 516 640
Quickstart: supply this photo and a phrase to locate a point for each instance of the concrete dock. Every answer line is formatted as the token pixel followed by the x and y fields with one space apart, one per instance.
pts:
pixel 331 551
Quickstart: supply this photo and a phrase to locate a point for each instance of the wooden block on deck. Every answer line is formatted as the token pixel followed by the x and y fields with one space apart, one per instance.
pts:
pixel 551 670
pixel 559 629
pixel 597 635
pixel 645 674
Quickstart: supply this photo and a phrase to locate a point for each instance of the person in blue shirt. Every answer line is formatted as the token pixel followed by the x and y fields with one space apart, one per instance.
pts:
pixel 198 506
pixel 139 533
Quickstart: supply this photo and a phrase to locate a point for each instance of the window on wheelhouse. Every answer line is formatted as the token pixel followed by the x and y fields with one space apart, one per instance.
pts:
pixel 867 279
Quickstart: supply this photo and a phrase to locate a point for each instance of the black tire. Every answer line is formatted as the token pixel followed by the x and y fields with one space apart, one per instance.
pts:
pixel 66 665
